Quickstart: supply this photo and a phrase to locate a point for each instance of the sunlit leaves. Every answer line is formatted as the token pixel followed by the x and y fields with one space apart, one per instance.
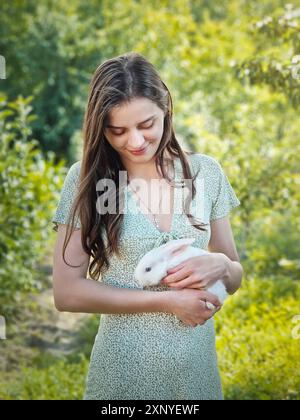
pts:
pixel 28 194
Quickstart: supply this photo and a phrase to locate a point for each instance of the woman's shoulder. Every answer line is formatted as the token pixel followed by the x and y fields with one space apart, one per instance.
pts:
pixel 73 173
pixel 207 164
pixel 75 168
pixel 71 179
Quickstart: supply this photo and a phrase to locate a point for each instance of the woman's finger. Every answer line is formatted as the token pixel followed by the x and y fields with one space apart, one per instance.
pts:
pixel 187 282
pixel 211 298
pixel 178 276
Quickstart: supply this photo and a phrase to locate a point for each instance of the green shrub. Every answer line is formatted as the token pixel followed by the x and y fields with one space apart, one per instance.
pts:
pixel 258 356
pixel 29 186
pixel 274 245
pixel 60 381
pixel 85 337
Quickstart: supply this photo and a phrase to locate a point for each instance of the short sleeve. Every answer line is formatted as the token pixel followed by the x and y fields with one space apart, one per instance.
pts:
pixel 67 196
pixel 223 196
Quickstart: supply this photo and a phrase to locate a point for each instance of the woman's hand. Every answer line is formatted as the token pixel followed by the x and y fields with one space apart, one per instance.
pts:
pixel 198 272
pixel 189 306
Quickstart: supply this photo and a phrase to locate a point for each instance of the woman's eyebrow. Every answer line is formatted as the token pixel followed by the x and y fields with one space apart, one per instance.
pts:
pixel 142 122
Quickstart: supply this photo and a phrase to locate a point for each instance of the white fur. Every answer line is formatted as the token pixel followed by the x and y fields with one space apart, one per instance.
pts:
pixel 167 256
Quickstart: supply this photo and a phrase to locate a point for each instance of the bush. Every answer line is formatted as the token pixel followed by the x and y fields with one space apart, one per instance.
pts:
pixel 59 381
pixel 258 356
pixel 28 196
pixel 274 245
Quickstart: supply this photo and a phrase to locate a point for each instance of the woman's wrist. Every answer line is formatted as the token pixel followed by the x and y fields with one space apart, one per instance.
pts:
pixel 225 261
pixel 165 301
pixel 232 274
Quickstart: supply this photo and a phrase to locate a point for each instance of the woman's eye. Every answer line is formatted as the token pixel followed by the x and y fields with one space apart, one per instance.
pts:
pixel 149 126
pixel 143 128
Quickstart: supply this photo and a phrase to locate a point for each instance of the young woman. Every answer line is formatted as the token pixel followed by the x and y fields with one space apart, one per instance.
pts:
pixel 157 342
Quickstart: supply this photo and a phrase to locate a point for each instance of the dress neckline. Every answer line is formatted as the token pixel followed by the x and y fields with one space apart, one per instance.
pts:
pixel 177 177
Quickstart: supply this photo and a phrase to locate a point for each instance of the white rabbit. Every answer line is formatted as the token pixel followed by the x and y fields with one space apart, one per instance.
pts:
pixel 153 266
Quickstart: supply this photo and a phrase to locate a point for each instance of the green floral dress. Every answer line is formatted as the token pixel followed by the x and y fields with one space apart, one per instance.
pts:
pixel 154 355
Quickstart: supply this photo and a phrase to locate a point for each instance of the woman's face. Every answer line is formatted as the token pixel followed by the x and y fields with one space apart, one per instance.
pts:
pixel 133 126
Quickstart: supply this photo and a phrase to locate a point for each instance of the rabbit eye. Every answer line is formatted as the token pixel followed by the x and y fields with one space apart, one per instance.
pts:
pixel 148 269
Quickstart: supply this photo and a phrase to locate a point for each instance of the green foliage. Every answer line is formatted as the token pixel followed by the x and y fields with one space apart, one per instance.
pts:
pixel 28 195
pixel 278 63
pixel 233 72
pixel 85 338
pixel 54 53
pixel 258 354
pixel 59 381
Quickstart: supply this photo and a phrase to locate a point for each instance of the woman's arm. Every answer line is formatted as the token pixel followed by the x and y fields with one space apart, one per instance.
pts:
pixel 222 241
pixel 221 263
pixel 73 292
pixel 91 296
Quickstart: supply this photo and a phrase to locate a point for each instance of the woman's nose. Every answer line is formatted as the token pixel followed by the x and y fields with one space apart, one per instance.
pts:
pixel 136 140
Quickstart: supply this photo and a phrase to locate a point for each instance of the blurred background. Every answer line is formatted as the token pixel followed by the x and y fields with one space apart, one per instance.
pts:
pixel 233 69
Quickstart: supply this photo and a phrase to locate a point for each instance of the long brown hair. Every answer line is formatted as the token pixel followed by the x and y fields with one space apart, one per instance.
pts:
pixel 116 81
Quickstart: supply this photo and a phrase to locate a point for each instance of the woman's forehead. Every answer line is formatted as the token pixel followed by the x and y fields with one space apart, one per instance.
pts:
pixel 136 112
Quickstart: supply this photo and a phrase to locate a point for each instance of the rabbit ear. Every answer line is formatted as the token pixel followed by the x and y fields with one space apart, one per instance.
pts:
pixel 177 246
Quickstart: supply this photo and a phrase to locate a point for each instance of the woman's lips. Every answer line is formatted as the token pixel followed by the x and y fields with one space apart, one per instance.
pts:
pixel 139 152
